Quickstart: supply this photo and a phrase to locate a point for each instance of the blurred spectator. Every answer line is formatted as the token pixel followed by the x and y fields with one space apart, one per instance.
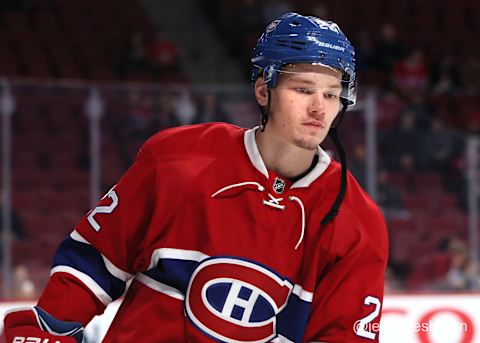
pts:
pixel 410 73
pixel 389 197
pixel 18 228
pixel 389 106
pixel 357 165
pixel 402 144
pixel 133 124
pixel 471 108
pixel 164 117
pixel 472 271
pixel 445 109
pixel 438 150
pixel 163 56
pixel 456 278
pixel 134 59
pixel 388 49
pixel 365 53
pixel 444 74
pixel 23 286
pixel 185 108
pixel 416 103
pixel 460 183
pixel 140 114
pixel 470 74
pixel 210 110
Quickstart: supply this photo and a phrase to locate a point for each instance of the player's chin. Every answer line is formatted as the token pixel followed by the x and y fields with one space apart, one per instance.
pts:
pixel 314 133
pixel 307 143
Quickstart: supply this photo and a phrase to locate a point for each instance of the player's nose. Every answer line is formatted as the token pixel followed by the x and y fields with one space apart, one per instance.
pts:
pixel 316 106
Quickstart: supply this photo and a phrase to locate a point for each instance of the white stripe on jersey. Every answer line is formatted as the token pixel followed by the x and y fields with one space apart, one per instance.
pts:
pixel 118 273
pixel 86 280
pixel 302 294
pixel 323 162
pixel 253 152
pixel 112 269
pixel 177 254
pixel 160 287
pixel 77 237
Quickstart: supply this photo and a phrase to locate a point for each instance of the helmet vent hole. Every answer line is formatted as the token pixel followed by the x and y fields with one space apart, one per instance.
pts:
pixel 292 44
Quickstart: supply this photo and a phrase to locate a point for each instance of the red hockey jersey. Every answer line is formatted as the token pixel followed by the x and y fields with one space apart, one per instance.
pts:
pixel 219 248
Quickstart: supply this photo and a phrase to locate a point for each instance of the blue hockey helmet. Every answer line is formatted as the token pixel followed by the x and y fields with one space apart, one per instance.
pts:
pixel 294 38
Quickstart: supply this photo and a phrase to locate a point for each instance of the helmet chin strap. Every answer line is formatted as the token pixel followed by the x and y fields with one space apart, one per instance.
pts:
pixel 332 133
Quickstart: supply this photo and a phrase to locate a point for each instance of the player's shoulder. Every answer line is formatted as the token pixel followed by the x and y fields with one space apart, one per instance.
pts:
pixel 360 200
pixel 362 209
pixel 356 201
pixel 198 138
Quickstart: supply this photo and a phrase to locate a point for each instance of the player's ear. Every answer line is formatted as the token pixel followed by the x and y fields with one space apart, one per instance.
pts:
pixel 261 92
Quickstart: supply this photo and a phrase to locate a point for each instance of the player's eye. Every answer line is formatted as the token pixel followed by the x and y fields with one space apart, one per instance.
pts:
pixel 331 95
pixel 304 90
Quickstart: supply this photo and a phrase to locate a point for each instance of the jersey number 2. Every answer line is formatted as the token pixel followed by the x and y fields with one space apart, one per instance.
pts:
pixel 363 327
pixel 103 209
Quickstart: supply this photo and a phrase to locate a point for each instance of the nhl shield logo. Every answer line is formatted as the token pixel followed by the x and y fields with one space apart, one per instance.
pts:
pixel 278 185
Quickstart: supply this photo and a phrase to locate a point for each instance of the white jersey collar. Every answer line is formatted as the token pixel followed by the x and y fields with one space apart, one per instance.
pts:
pixel 257 161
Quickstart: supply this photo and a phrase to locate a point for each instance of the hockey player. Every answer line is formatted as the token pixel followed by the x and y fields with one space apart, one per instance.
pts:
pixel 230 234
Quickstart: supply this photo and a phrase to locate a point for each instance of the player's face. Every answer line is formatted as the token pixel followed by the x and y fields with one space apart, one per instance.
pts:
pixel 304 104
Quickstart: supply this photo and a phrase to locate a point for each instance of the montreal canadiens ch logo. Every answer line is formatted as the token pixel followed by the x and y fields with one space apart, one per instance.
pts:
pixel 234 300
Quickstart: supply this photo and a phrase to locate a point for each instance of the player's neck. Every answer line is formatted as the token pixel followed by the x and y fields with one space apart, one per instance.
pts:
pixel 281 156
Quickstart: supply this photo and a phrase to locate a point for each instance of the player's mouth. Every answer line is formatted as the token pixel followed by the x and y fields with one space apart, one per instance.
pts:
pixel 314 124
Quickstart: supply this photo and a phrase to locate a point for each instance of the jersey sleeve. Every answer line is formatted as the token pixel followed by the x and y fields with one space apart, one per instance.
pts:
pixel 347 301
pixel 92 265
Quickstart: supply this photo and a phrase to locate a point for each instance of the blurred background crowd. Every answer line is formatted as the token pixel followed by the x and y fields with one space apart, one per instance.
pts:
pixel 158 64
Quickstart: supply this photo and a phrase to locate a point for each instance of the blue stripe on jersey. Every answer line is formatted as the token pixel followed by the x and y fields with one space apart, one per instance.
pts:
pixel 86 259
pixel 292 320
pixel 174 273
